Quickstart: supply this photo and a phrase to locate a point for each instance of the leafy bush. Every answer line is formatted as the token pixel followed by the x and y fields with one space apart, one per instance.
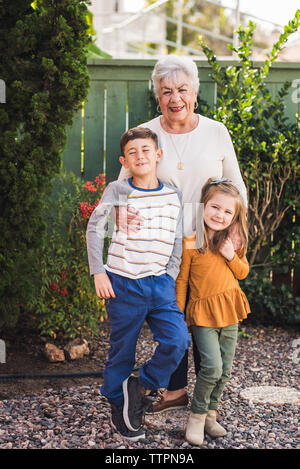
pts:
pixel 268 148
pixel 276 305
pixel 67 303
pixel 265 143
pixel 44 66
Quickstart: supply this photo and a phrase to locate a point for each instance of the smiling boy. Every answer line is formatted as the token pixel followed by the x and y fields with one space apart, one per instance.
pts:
pixel 138 281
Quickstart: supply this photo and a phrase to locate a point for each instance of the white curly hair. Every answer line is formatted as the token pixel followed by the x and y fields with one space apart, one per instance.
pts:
pixel 170 65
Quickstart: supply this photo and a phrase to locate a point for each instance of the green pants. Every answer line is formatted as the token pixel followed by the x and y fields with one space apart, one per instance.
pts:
pixel 217 348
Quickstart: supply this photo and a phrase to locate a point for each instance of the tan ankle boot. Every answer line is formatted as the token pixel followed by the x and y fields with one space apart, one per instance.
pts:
pixel 194 433
pixel 212 427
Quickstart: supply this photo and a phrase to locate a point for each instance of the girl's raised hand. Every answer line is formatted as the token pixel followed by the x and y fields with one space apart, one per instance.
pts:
pixel 227 249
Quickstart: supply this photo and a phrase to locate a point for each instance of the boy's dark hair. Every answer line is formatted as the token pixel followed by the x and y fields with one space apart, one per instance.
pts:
pixel 137 132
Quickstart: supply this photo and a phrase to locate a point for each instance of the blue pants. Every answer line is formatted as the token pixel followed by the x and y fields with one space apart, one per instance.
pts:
pixel 150 299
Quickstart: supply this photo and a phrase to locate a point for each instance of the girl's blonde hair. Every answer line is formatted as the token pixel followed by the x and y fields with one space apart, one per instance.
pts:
pixel 224 186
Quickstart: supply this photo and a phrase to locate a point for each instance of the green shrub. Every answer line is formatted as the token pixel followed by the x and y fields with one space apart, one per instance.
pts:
pixel 43 64
pixel 270 304
pixel 266 144
pixel 268 150
pixel 67 304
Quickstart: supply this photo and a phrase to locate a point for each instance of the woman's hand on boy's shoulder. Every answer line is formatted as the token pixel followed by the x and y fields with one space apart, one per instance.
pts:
pixel 128 219
pixel 103 286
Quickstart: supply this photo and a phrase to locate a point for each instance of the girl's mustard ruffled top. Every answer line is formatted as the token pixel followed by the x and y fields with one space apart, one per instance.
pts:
pixel 215 297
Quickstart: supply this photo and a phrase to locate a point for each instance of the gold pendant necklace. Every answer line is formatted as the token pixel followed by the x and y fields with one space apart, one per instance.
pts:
pixel 180 164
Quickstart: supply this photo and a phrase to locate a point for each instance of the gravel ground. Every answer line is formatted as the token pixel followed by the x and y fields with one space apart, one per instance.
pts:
pixel 78 416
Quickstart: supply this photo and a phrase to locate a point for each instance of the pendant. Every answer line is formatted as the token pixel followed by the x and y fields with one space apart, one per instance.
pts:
pixel 180 165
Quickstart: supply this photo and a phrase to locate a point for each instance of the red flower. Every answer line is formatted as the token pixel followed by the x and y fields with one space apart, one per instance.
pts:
pixel 89 186
pixel 63 291
pixel 54 286
pixel 100 181
pixel 86 209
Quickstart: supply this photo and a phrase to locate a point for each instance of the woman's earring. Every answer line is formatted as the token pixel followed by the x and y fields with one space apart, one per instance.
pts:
pixel 196 105
pixel 158 108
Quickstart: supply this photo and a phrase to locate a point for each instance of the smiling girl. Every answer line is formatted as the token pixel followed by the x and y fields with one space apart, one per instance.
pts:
pixel 216 304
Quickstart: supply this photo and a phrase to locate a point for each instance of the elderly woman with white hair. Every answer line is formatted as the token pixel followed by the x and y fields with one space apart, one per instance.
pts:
pixel 195 148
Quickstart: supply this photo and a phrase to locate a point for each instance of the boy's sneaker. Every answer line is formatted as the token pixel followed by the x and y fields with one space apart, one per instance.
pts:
pixel 118 424
pixel 135 403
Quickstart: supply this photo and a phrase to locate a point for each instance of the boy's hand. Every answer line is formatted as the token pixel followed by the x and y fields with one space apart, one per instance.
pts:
pixel 227 249
pixel 103 286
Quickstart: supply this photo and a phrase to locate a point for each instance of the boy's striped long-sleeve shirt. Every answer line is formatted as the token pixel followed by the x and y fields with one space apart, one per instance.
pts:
pixel 153 250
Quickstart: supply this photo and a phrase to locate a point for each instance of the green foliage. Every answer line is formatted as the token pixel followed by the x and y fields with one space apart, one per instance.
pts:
pixel 242 334
pixel 276 305
pixel 268 148
pixel 93 51
pixel 67 304
pixel 43 64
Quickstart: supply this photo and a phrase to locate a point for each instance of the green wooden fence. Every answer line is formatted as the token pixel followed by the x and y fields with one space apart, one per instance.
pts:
pixel 118 99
